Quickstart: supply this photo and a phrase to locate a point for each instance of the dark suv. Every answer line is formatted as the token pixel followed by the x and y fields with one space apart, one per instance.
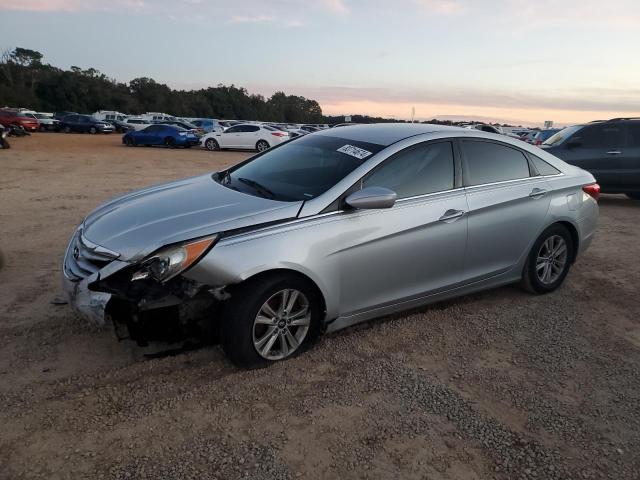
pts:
pixel 609 149
pixel 84 123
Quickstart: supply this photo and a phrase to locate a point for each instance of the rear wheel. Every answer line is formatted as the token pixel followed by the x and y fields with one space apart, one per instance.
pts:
pixel 170 142
pixel 67 129
pixel 129 142
pixel 212 145
pixel 270 318
pixel 43 128
pixel 634 195
pixel 262 145
pixel 549 261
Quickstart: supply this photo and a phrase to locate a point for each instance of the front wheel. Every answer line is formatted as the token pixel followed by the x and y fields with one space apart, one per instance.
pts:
pixel 549 260
pixel 634 195
pixel 262 145
pixel 270 318
pixel 212 145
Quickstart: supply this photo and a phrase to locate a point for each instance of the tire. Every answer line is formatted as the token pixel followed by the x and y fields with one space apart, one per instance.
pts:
pixel 170 142
pixel 67 129
pixel 43 128
pixel 93 130
pixel 262 145
pixel 129 142
pixel 633 195
pixel 241 335
pixel 548 263
pixel 212 145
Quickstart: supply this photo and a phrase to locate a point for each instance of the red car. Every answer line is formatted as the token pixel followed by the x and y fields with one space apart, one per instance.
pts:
pixel 12 117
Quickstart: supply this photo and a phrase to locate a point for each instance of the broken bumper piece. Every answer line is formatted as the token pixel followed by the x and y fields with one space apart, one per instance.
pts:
pixel 86 303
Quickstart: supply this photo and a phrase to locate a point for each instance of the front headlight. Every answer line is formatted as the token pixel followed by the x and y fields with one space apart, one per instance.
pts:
pixel 170 261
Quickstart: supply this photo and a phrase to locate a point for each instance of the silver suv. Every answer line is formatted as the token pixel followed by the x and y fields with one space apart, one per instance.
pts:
pixel 328 230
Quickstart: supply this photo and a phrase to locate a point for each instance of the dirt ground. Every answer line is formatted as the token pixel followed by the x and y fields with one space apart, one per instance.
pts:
pixel 500 384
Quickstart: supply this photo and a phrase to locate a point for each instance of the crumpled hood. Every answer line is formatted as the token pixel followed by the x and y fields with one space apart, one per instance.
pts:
pixel 140 222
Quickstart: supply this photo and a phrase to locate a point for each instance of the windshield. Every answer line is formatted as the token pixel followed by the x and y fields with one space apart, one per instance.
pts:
pixel 300 169
pixel 561 136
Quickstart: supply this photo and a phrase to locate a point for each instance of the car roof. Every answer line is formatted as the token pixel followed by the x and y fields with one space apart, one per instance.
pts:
pixel 385 133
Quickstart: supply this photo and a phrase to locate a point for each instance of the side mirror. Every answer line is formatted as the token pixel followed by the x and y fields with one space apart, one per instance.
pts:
pixel 370 198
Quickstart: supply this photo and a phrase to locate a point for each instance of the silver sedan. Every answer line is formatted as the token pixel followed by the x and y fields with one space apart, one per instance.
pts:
pixel 328 230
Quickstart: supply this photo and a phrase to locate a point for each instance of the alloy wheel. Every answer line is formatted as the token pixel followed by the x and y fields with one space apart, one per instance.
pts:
pixel 262 146
pixel 281 325
pixel 551 260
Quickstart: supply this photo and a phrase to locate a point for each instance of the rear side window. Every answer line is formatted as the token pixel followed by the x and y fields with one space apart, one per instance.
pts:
pixel 486 162
pixel 418 170
pixel 543 167
pixel 603 135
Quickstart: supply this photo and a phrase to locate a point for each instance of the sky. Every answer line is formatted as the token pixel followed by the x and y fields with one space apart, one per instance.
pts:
pixel 521 61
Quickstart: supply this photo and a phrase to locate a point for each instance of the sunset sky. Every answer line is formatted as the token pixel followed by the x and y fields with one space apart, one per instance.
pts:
pixel 508 60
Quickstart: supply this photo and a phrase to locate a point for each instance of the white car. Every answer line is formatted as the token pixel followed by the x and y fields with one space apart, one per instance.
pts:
pixel 245 136
pixel 138 123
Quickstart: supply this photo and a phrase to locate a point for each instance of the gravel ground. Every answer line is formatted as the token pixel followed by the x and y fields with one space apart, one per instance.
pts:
pixel 500 384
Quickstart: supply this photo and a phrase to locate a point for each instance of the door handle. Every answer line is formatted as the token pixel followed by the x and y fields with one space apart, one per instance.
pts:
pixel 537 193
pixel 451 215
pixel 614 152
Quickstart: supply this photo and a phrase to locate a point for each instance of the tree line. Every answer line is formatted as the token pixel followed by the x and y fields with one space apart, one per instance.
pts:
pixel 25 81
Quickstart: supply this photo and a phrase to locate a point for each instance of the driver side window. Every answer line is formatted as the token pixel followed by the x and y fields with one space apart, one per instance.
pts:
pixel 418 170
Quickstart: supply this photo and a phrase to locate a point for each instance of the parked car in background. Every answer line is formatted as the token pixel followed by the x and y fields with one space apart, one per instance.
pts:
pixel 137 123
pixel 207 125
pixel 60 115
pixel 109 115
pixel 120 126
pixel 183 124
pixel 309 128
pixel 329 230
pixel 543 135
pixel 610 150
pixel 529 136
pixel 47 123
pixel 245 137
pixel 84 124
pixel 170 136
pixel 340 125
pixel 483 127
pixel 154 117
pixel 10 117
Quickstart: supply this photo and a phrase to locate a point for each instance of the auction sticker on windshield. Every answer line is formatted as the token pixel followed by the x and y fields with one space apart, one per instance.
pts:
pixel 356 152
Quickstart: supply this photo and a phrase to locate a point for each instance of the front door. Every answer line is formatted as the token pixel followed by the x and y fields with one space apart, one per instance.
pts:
pixel 414 248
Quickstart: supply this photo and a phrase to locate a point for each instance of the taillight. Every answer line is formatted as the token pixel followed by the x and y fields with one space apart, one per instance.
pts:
pixel 538 142
pixel 592 190
pixel 279 134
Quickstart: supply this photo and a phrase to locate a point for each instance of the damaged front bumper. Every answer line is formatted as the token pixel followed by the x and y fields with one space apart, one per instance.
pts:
pixel 145 311
pixel 91 305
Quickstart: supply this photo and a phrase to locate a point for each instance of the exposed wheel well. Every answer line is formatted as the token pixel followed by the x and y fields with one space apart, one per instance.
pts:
pixel 575 238
pixel 292 273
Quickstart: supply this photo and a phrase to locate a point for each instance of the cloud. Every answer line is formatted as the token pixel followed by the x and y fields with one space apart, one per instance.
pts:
pixel 442 7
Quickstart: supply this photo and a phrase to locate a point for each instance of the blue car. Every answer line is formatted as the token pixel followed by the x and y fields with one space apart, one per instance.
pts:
pixel 170 136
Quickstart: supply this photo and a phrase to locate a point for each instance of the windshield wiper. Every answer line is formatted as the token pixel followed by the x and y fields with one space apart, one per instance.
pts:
pixel 258 187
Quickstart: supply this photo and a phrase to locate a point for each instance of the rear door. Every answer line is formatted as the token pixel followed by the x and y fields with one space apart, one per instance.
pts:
pixel 599 149
pixel 507 206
